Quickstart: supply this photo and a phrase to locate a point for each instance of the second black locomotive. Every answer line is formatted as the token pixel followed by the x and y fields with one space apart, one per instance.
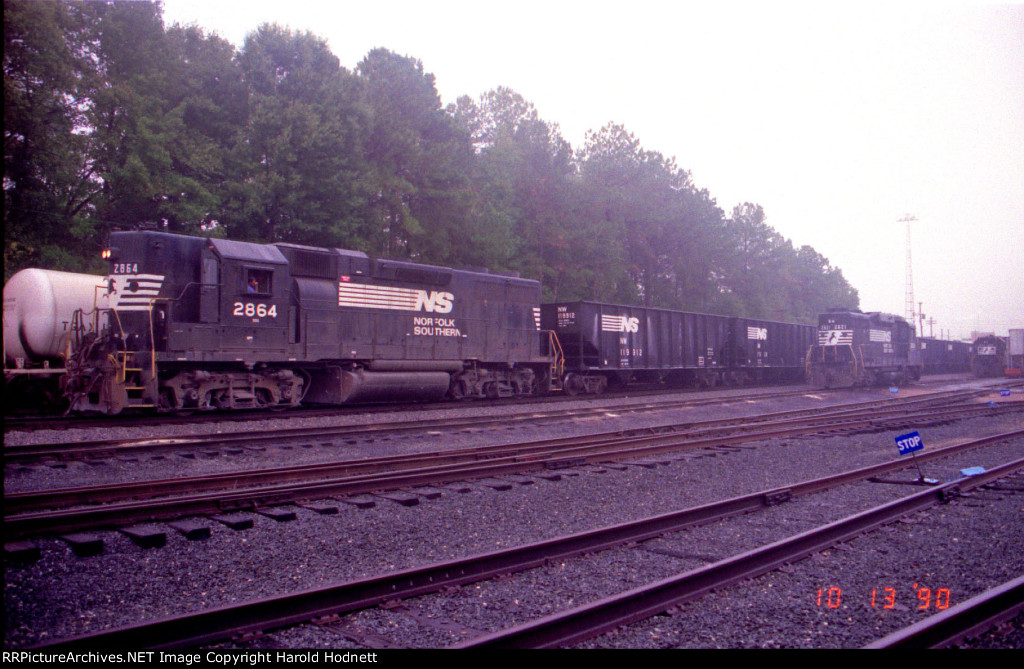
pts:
pixel 859 349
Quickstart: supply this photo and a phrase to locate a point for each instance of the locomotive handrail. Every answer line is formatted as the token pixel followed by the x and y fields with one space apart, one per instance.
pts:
pixel 152 334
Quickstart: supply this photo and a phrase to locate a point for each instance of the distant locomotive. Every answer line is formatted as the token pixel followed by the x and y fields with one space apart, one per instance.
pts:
pixel 860 349
pixel 209 323
pixel 989 356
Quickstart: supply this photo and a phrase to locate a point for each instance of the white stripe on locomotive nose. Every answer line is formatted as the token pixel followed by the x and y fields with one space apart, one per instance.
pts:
pixel 835 337
pixel 134 292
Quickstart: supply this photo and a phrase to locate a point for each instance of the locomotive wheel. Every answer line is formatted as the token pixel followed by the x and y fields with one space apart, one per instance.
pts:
pixel 572 385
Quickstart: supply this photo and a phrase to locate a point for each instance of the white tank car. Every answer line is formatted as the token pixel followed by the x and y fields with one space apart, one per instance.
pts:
pixel 38 308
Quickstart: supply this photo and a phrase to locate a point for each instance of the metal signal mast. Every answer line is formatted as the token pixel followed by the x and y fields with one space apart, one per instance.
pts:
pixel 908 219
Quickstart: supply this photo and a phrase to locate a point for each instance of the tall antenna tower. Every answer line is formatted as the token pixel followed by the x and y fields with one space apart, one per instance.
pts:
pixel 908 219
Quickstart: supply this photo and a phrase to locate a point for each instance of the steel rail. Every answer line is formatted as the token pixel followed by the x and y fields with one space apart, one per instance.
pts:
pixel 240 490
pixel 274 612
pixel 589 620
pixel 963 621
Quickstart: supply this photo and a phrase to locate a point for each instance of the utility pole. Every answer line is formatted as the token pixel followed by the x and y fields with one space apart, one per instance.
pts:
pixel 931 327
pixel 909 303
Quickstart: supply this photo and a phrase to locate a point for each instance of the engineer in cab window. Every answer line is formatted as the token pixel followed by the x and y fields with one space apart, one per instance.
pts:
pixel 254 286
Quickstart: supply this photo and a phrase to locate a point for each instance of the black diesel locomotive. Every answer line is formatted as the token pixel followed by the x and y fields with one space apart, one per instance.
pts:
pixel 860 349
pixel 210 323
pixel 988 356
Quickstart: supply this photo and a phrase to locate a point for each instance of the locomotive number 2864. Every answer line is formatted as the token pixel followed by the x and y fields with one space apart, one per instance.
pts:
pixel 251 309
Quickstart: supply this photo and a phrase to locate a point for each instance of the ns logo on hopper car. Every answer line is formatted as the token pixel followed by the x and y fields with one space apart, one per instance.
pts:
pixel 759 334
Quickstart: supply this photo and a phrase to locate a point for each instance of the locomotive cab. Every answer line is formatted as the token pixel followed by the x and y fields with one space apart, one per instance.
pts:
pixel 857 349
pixel 175 301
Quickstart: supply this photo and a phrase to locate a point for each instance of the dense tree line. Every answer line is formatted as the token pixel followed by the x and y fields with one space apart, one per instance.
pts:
pixel 112 119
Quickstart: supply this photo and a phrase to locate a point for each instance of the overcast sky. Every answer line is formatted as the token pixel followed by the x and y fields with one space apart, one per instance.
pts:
pixel 837 119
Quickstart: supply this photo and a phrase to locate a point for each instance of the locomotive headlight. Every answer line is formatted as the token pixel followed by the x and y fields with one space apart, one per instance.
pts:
pixel 109 254
pixel 105 254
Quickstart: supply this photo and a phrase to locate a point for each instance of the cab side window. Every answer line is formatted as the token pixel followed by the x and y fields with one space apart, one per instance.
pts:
pixel 258 281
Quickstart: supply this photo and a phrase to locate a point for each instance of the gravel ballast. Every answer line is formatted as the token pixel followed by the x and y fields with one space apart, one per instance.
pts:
pixel 61 595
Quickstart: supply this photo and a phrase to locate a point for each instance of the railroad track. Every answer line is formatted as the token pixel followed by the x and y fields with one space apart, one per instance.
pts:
pixel 84 450
pixel 587 621
pixel 15 423
pixel 98 507
pixel 575 624
pixel 963 621
pixel 35 423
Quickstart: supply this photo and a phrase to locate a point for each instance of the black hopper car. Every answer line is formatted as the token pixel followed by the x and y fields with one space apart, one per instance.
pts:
pixel 608 344
pixel 861 349
pixel 200 323
pixel 940 356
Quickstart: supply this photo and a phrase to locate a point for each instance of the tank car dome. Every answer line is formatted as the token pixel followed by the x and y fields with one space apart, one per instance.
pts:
pixel 38 308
